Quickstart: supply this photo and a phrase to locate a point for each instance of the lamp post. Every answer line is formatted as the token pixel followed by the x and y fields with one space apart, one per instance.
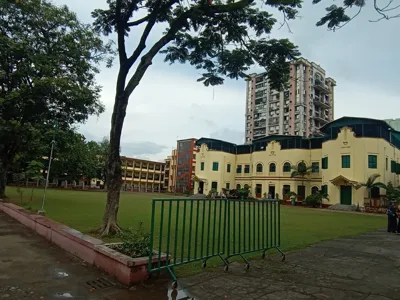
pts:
pixel 53 141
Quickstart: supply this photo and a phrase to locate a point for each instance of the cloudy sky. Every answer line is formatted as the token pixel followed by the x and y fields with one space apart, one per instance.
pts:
pixel 170 104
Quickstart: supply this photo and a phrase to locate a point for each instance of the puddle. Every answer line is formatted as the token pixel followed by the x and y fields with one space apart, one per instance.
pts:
pixel 60 273
pixel 178 295
pixel 64 295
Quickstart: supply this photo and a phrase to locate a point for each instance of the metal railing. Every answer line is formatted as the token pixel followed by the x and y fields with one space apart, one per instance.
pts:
pixel 253 226
pixel 190 230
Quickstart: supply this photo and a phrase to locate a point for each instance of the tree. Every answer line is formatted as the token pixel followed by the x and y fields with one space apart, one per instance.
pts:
pixel 337 16
pixel 34 172
pixel 75 159
pixel 370 184
pixel 392 193
pixel 101 150
pixel 223 39
pixel 301 170
pixel 48 62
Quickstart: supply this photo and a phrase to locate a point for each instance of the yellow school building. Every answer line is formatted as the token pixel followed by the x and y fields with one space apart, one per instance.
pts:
pixel 342 159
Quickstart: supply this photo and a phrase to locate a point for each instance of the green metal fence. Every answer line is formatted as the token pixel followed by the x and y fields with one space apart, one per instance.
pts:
pixel 187 230
pixel 190 230
pixel 253 226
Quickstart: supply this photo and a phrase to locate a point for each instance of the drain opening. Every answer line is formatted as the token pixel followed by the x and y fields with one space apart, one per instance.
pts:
pixel 99 284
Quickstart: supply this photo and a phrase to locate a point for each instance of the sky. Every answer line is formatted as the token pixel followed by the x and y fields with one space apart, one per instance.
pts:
pixel 169 103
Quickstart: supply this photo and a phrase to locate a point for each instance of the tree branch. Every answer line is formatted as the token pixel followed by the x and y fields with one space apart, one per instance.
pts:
pixel 120 33
pixel 142 43
pixel 176 25
pixel 137 22
pixel 382 11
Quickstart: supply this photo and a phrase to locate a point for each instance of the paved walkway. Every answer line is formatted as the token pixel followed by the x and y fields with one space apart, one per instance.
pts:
pixel 366 267
pixel 32 268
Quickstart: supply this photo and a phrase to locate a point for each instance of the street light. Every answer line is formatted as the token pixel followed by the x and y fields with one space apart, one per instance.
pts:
pixel 53 141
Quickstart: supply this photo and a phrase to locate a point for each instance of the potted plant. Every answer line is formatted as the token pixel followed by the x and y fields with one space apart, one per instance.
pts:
pixel 292 196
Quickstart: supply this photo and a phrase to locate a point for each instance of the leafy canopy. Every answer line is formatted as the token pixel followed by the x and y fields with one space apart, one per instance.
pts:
pixel 338 15
pixel 221 40
pixel 48 62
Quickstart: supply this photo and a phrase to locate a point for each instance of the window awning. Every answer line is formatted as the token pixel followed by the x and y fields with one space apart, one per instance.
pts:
pixel 196 178
pixel 341 180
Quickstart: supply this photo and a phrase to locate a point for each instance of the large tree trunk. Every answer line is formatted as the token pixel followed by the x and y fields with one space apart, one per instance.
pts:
pixel 3 179
pixel 114 171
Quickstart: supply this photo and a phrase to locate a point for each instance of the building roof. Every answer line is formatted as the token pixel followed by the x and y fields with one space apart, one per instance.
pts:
pixel 343 121
pixel 330 131
pixel 143 160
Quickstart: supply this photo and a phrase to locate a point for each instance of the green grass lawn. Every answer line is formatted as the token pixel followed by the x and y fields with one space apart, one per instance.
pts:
pixel 300 227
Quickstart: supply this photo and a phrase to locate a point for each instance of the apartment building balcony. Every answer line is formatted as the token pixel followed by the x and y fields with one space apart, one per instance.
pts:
pixel 321 87
pixel 274 99
pixel 259 135
pixel 273 121
pixel 321 118
pixel 320 102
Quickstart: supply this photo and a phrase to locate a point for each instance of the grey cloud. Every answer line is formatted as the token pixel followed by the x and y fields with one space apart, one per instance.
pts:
pixel 229 135
pixel 210 123
pixel 142 149
pixel 361 52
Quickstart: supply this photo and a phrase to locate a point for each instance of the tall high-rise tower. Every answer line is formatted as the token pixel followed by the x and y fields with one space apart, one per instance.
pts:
pixel 300 110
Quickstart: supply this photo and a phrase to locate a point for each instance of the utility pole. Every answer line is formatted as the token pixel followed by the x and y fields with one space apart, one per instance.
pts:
pixel 53 141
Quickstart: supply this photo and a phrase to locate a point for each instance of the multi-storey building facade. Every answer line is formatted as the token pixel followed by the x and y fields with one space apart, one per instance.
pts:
pixel 342 158
pixel 186 164
pixel 170 172
pixel 301 110
pixel 142 175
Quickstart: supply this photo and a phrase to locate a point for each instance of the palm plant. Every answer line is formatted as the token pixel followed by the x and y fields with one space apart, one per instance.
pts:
pixel 301 170
pixel 392 193
pixel 370 184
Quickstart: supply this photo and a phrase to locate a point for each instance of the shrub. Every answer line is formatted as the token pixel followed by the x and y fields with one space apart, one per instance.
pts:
pixel 315 199
pixel 135 243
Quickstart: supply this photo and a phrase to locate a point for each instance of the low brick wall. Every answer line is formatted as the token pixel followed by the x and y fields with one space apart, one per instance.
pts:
pixel 91 250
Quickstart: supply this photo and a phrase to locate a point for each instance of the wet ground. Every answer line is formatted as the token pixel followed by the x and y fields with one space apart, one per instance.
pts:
pixel 365 267
pixel 33 268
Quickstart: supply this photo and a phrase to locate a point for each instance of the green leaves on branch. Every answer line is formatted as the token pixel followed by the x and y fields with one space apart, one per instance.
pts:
pixel 48 63
pixel 221 46
pixel 337 15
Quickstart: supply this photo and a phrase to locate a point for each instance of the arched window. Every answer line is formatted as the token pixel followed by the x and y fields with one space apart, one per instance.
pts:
pixel 272 167
pixel 246 186
pixel 314 189
pixel 375 192
pixel 286 167
pixel 238 186
pixel 259 168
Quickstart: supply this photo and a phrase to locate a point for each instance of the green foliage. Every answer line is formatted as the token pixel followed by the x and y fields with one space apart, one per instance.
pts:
pixel 34 170
pixel 211 192
pixel 301 170
pixel 135 243
pixel 370 184
pixel 244 192
pixel 19 179
pixel 78 158
pixel 213 38
pixel 337 15
pixel 48 62
pixel 316 198
pixel 291 194
pixel 392 193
